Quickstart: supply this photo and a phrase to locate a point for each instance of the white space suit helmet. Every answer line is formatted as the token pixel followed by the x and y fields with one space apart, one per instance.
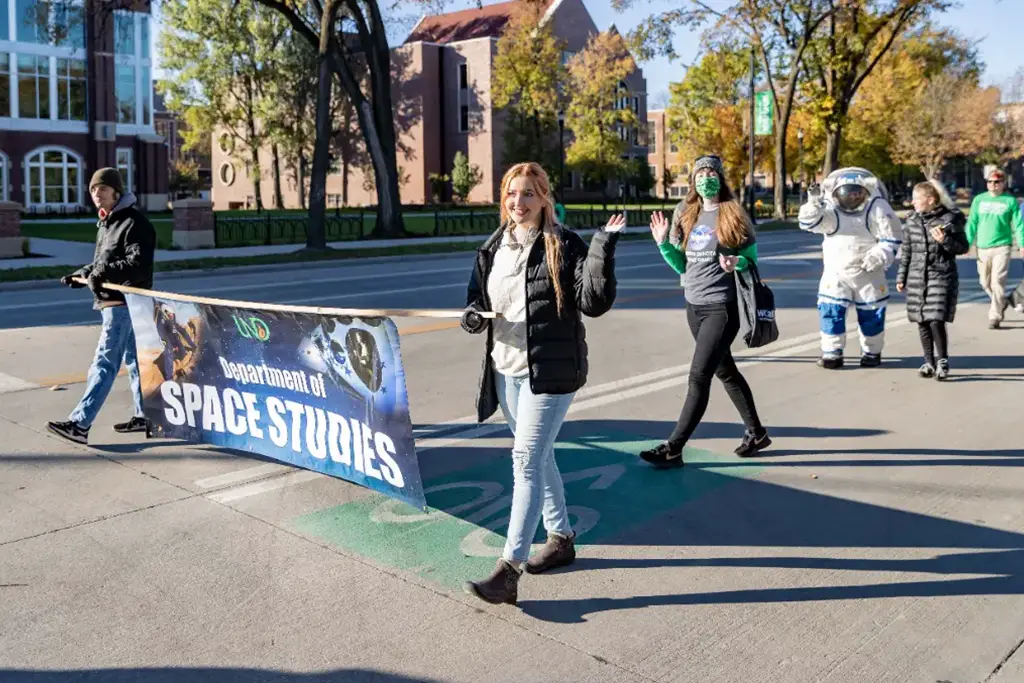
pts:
pixel 850 188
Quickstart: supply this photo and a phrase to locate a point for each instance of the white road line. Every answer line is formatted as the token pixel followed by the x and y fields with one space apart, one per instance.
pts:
pixel 239 476
pixel 9 384
pixel 293 479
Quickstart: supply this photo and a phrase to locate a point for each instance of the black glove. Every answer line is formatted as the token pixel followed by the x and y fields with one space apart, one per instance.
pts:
pixel 473 322
pixel 69 281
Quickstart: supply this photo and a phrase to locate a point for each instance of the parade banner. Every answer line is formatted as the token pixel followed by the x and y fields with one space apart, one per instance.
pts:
pixel 322 392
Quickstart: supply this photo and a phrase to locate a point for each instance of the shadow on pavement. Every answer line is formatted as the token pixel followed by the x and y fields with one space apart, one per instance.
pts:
pixel 752 513
pixel 195 675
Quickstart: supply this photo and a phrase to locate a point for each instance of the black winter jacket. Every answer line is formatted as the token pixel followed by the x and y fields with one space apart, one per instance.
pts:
pixel 125 242
pixel 556 346
pixel 928 268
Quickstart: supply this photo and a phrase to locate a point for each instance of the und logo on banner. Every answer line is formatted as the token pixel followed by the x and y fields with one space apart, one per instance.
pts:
pixel 252 328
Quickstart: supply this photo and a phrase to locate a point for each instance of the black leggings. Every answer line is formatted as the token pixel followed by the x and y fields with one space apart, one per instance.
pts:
pixel 933 340
pixel 714 327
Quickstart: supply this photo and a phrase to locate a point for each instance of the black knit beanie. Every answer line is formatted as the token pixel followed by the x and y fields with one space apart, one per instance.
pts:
pixel 109 177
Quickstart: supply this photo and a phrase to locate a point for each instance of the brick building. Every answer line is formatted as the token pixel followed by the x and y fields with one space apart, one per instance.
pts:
pixel 76 94
pixel 448 61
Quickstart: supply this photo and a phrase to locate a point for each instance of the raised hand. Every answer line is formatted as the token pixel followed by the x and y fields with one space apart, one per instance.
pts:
pixel 616 223
pixel 659 227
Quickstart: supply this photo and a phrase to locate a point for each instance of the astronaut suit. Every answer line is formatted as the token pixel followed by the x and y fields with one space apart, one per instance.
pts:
pixel 861 237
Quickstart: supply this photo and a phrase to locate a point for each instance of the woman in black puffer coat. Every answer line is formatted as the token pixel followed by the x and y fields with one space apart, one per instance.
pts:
pixel 933 238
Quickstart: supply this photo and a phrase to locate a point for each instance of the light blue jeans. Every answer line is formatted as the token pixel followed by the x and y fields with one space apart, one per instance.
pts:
pixel 537 489
pixel 117 343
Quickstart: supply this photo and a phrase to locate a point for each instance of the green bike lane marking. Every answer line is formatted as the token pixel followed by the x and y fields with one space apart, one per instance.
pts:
pixel 608 490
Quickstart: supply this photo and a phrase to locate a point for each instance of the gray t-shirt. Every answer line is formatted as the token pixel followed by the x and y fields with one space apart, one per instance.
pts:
pixel 704 279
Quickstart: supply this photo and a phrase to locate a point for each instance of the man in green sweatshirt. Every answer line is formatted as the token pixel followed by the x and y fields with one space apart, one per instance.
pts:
pixel 995 222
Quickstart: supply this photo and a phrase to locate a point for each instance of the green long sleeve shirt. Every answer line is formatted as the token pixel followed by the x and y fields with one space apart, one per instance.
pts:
pixel 995 221
pixel 676 257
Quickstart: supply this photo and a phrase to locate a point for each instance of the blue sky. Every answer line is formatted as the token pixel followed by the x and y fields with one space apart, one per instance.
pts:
pixel 995 24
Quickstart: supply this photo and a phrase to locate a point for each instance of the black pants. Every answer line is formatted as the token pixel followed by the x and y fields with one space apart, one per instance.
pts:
pixel 933 340
pixel 714 327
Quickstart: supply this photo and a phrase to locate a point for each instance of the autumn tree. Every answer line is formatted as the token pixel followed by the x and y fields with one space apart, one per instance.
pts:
pixel 707 110
pixel 779 31
pixel 949 116
pixel 849 44
pixel 349 34
pixel 600 113
pixel 219 61
pixel 892 87
pixel 1006 140
pixel 527 84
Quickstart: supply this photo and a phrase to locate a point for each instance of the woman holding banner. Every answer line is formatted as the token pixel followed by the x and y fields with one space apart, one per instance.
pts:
pixel 710 238
pixel 541 278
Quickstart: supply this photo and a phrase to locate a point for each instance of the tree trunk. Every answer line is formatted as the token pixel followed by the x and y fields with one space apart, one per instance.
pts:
pixel 301 172
pixel 278 194
pixel 833 140
pixel 257 173
pixel 315 234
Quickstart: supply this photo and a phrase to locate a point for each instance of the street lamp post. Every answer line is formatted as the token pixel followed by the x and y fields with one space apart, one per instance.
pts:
pixel 800 146
pixel 561 152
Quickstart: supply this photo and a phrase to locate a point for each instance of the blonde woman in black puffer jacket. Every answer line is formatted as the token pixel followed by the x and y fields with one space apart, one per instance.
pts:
pixel 933 237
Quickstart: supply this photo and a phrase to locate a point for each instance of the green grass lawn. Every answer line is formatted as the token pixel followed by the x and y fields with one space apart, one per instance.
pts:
pixel 85 231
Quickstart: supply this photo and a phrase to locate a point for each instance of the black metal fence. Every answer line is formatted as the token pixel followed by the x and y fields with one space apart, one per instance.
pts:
pixel 240 231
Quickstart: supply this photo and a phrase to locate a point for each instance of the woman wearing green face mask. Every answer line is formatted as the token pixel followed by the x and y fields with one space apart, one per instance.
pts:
pixel 710 237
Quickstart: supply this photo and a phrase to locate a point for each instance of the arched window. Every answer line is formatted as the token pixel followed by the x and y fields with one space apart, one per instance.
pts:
pixel 5 177
pixel 54 178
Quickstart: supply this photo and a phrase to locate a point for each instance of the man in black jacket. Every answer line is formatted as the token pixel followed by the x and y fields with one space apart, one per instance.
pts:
pixel 125 241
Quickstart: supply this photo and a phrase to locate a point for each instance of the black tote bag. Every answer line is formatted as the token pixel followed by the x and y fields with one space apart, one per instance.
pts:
pixel 756 304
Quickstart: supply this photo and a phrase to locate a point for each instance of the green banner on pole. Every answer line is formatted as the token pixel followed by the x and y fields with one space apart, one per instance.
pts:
pixel 763 110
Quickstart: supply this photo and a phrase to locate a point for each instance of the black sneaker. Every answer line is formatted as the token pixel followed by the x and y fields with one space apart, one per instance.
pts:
pixel 830 363
pixel 752 443
pixel 136 424
pixel 70 431
pixel 662 456
pixel 871 360
pixel 942 371
pixel 927 370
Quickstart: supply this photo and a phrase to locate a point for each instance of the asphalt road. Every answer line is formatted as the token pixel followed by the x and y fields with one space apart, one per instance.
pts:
pixel 880 540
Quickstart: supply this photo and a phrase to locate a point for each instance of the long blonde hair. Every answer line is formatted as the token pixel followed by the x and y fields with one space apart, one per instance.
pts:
pixel 549 225
pixel 733 223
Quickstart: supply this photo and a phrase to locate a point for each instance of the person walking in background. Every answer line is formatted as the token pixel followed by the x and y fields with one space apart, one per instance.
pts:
pixel 542 279
pixel 125 242
pixel 993 225
pixel 934 237
pixel 710 237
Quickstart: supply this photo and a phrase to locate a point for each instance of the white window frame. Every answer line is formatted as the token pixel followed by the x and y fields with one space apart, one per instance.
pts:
pixel 55 90
pixel 128 174
pixel 69 156
pixel 143 91
pixel 5 170
pixel 50 124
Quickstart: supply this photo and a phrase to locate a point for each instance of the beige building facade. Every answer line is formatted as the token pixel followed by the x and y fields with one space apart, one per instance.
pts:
pixel 446 66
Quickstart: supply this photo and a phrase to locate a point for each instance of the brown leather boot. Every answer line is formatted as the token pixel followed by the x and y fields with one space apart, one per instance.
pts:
pixel 559 551
pixel 502 586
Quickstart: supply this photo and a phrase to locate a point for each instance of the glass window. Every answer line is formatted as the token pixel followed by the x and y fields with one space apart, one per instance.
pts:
pixel 464 118
pixel 652 137
pixel 124 91
pixel 147 91
pixel 125 167
pixel 124 33
pixel 32 18
pixel 71 89
pixel 463 76
pixel 144 38
pixel 33 87
pixel 5 82
pixel 53 178
pixel 4 25
pixel 69 24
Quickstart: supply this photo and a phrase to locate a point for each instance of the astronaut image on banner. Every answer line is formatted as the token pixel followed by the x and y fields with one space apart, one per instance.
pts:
pixel 861 237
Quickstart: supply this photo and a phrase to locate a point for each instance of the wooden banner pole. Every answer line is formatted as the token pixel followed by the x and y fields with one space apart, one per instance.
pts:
pixel 287 308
